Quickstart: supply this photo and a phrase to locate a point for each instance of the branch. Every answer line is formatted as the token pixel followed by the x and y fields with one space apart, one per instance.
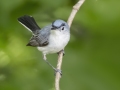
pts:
pixel 76 7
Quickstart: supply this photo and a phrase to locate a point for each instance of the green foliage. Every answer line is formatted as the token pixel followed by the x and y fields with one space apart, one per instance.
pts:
pixel 92 59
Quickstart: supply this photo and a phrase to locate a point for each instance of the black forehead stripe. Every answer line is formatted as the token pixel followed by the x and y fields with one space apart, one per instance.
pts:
pixel 63 24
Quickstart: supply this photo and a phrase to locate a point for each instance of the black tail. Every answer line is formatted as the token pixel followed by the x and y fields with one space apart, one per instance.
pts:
pixel 29 23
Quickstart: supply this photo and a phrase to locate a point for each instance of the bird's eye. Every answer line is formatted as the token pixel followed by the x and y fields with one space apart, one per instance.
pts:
pixel 62 28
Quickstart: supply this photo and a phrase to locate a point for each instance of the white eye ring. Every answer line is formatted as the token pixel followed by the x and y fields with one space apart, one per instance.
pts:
pixel 62 28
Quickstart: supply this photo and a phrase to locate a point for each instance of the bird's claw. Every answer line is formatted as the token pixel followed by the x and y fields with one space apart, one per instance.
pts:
pixel 62 52
pixel 58 70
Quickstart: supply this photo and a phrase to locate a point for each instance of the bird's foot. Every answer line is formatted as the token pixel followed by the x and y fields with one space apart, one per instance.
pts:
pixel 62 52
pixel 58 70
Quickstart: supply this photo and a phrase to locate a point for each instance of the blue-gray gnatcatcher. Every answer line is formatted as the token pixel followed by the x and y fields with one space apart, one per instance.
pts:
pixel 50 39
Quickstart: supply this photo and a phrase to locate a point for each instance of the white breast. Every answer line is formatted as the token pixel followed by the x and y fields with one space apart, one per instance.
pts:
pixel 57 41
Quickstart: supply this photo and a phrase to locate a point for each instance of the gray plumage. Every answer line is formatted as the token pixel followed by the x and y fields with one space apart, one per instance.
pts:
pixel 40 36
pixel 50 39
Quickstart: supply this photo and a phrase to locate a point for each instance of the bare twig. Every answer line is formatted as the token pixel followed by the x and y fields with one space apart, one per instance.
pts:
pixel 76 7
pixel 58 76
pixel 60 56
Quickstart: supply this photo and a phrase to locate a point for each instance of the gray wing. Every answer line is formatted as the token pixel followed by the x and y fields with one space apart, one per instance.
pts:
pixel 41 38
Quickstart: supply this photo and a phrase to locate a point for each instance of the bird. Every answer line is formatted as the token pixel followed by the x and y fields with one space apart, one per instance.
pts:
pixel 50 39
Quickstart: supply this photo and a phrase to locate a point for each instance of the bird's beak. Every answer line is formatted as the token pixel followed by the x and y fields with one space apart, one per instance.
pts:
pixel 53 28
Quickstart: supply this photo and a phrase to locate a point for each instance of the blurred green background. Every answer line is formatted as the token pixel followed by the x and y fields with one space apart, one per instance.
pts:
pixel 92 60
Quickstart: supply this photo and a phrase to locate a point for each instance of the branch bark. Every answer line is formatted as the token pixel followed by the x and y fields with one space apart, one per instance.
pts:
pixel 76 7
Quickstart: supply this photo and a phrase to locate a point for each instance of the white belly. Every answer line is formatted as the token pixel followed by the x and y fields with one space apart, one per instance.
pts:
pixel 57 42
